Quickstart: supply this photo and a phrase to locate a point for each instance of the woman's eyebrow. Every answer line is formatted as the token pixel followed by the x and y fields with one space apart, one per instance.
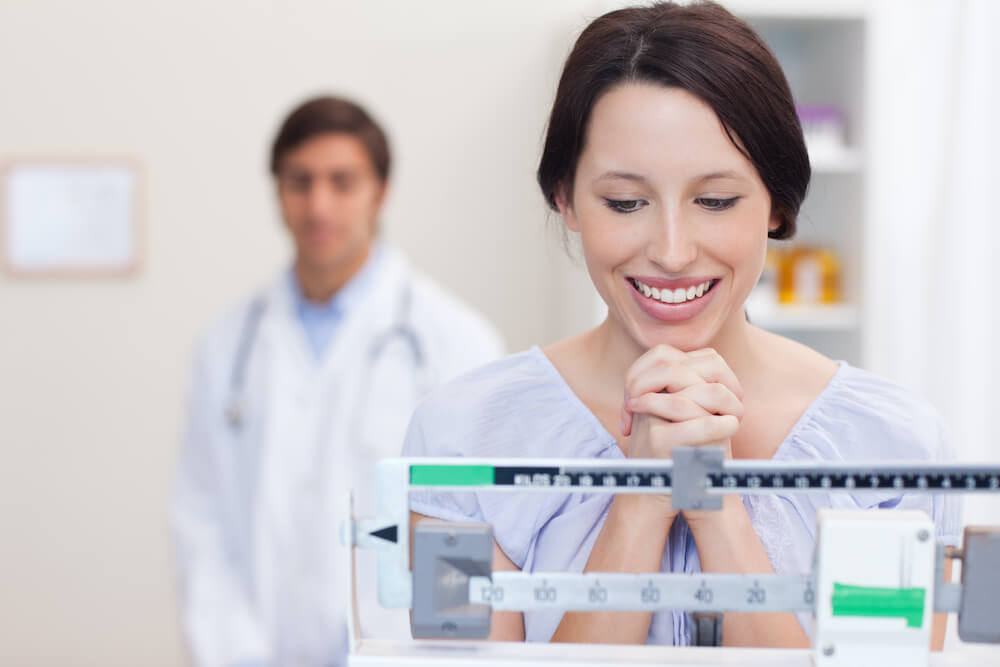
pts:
pixel 638 178
pixel 717 175
pixel 625 175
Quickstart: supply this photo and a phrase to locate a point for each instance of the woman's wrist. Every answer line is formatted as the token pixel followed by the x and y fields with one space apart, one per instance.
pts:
pixel 732 515
pixel 727 540
pixel 643 513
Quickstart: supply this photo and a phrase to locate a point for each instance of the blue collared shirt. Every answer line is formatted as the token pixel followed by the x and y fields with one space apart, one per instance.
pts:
pixel 321 320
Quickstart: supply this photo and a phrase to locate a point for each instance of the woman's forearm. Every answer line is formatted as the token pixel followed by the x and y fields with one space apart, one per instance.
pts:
pixel 632 539
pixel 727 542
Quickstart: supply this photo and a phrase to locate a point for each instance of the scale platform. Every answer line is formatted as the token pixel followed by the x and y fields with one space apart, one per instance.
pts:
pixel 375 653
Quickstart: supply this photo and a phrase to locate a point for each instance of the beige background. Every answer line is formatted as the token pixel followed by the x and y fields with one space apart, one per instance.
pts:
pixel 92 373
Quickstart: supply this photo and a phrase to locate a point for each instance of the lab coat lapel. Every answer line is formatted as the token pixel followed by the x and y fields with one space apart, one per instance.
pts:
pixel 287 432
pixel 343 376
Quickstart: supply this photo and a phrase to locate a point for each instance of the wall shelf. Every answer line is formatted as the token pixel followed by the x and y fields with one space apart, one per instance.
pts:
pixel 838 317
pixel 846 161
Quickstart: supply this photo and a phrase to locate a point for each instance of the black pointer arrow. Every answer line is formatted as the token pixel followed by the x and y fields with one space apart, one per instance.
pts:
pixel 388 534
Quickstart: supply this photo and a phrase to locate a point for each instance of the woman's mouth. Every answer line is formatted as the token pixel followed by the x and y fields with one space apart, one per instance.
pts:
pixel 677 295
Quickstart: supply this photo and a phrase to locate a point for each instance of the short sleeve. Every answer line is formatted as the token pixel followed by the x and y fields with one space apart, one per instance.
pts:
pixel 516 407
pixel 438 504
pixel 862 416
pixel 945 509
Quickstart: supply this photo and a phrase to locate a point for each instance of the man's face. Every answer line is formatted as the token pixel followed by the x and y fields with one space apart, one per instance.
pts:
pixel 330 196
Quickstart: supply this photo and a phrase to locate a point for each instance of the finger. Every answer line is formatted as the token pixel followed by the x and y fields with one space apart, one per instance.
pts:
pixel 671 407
pixel 710 365
pixel 658 375
pixel 626 417
pixel 671 377
pixel 674 377
pixel 714 398
pixel 655 356
pixel 709 430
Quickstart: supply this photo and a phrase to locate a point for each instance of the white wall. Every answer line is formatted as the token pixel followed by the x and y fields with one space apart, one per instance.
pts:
pixel 92 373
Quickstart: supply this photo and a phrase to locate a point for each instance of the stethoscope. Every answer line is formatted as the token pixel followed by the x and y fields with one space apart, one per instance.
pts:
pixel 236 410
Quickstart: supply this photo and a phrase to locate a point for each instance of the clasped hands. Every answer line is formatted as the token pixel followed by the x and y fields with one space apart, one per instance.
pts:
pixel 675 398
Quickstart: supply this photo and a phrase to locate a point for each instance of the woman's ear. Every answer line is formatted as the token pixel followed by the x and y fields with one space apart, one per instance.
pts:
pixel 774 224
pixel 565 206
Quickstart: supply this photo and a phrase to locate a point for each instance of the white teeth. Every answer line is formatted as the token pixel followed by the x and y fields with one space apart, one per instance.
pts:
pixel 679 295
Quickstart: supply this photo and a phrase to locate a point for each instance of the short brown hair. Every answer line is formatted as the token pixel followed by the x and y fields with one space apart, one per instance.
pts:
pixel 710 53
pixel 332 115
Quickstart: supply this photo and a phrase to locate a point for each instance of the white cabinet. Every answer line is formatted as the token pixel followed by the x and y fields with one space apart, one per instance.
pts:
pixel 822 48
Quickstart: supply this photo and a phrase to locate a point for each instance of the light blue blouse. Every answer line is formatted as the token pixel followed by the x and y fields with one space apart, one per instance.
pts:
pixel 520 406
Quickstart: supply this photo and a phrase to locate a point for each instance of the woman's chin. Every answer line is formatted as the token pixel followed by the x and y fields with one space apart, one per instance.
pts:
pixel 686 340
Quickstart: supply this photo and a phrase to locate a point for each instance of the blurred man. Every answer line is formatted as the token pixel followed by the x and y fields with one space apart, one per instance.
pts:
pixel 296 393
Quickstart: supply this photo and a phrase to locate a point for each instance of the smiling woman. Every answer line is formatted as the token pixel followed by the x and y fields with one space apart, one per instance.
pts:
pixel 674 151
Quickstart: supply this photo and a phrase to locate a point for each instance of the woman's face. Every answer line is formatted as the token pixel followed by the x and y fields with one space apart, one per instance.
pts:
pixel 673 219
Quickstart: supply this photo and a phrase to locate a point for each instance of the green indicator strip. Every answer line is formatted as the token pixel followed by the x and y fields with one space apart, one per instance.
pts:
pixel 905 603
pixel 458 475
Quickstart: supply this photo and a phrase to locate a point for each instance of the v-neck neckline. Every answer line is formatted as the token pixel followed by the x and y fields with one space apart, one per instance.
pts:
pixel 603 433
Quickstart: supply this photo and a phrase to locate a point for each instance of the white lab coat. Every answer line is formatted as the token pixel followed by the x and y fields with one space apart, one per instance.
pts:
pixel 256 511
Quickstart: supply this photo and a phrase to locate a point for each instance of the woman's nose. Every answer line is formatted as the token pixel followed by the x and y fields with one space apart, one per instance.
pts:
pixel 673 246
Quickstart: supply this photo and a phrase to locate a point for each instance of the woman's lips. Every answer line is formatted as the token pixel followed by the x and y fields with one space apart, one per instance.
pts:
pixel 673 300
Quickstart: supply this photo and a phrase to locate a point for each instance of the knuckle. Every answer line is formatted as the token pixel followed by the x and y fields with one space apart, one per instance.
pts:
pixel 730 424
pixel 662 351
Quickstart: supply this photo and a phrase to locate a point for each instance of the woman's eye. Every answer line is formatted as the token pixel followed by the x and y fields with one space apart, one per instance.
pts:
pixel 625 205
pixel 716 204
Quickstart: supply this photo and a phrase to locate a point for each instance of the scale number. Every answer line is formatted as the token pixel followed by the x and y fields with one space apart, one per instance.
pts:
pixel 545 593
pixel 756 595
pixel 597 594
pixel 809 596
pixel 650 594
pixel 704 594
pixel 492 594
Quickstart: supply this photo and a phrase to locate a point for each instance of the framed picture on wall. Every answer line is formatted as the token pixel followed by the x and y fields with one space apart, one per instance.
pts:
pixel 70 217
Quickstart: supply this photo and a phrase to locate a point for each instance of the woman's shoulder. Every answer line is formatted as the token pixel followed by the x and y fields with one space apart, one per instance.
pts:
pixel 512 407
pixel 862 415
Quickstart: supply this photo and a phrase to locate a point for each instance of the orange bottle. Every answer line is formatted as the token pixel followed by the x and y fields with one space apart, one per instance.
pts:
pixel 809 276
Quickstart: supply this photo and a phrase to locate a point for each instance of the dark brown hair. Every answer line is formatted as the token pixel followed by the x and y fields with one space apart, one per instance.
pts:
pixel 332 115
pixel 710 53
